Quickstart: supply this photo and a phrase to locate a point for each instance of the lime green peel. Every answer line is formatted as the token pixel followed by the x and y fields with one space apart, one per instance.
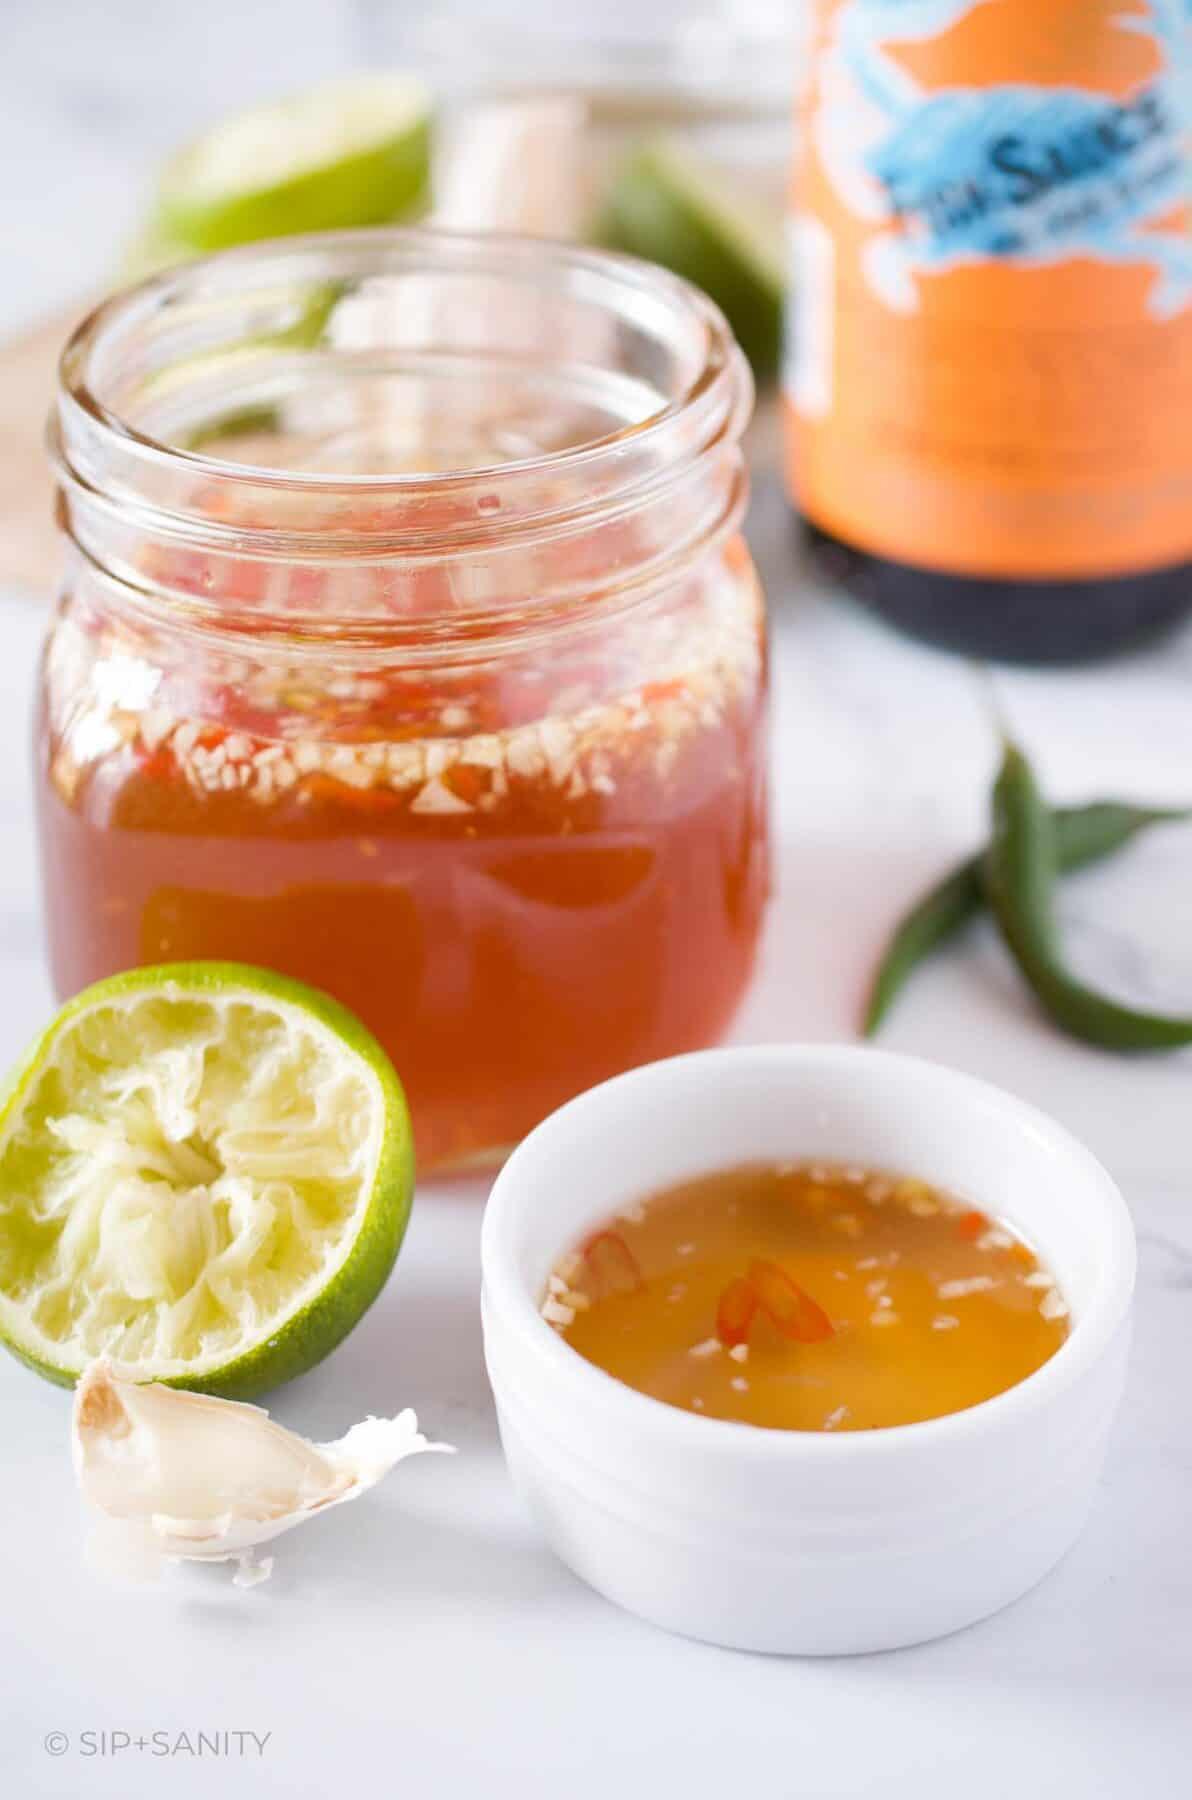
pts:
pixel 667 206
pixel 206 1172
pixel 346 153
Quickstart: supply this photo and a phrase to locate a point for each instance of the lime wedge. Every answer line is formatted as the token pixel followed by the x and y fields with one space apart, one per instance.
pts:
pixel 352 152
pixel 205 1175
pixel 665 205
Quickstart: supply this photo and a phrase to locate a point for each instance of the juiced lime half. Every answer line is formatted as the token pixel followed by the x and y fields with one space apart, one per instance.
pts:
pixel 352 152
pixel 667 206
pixel 205 1174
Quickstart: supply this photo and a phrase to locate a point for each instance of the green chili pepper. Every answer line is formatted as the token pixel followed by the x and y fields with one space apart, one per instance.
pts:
pixel 1019 874
pixel 1083 834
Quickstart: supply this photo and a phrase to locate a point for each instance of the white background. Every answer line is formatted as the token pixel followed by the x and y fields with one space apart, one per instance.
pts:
pixel 423 1641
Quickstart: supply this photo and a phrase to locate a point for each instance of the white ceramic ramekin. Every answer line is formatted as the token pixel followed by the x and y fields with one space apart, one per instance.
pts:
pixel 793 1541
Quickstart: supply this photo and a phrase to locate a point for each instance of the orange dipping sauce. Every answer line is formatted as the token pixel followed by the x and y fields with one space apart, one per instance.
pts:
pixel 809 1297
pixel 408 645
pixel 521 881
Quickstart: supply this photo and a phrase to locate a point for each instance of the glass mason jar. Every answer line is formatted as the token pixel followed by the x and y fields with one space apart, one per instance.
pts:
pixel 408 645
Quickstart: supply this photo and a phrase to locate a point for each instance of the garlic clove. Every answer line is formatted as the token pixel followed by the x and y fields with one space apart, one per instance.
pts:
pixel 184 1475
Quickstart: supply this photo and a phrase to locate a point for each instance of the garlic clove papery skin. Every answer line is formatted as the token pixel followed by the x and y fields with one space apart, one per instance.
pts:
pixel 189 1476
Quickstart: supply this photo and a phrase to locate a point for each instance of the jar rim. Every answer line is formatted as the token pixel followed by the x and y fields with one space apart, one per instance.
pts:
pixel 719 395
pixel 654 337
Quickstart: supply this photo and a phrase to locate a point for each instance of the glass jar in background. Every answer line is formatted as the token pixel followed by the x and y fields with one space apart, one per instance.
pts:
pixel 407 644
pixel 714 75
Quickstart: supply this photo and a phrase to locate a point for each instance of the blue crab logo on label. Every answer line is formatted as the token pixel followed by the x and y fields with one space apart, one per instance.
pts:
pixel 1017 172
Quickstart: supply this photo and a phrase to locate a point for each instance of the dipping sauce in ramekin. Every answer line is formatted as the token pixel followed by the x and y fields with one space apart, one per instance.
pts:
pixel 824 1539
pixel 808 1297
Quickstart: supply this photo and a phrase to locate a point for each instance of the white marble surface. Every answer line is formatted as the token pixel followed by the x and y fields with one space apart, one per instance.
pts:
pixel 426 1641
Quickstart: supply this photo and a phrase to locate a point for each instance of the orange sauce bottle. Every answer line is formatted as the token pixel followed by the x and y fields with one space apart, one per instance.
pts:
pixel 990 440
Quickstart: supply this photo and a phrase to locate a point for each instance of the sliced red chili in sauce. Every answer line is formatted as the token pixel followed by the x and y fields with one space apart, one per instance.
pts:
pixel 735 1312
pixel 769 1289
pixel 788 1306
pixel 612 1262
